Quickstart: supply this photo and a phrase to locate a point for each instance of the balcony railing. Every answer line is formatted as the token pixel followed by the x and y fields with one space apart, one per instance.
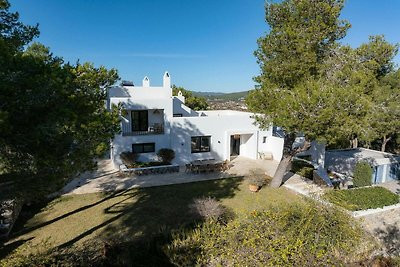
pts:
pixel 154 129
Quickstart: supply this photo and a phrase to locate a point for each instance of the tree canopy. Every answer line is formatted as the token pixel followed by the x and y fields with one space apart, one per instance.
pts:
pixel 193 102
pixel 310 83
pixel 53 118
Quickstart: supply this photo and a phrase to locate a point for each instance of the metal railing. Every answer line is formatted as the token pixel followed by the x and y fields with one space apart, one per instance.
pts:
pixel 155 129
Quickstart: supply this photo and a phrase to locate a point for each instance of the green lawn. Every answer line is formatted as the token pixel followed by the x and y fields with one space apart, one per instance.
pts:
pixel 71 220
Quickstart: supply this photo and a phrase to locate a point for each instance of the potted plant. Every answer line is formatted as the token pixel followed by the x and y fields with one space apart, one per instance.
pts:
pixel 256 182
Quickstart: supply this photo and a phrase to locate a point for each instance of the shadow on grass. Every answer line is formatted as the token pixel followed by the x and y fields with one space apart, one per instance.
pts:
pixel 7 249
pixel 140 220
pixel 389 234
pixel 23 231
pixel 143 226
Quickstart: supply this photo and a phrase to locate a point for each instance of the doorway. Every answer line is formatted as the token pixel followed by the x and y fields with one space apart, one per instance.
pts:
pixel 235 145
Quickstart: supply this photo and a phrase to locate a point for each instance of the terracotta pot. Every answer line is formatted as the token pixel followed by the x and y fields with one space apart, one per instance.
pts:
pixel 254 188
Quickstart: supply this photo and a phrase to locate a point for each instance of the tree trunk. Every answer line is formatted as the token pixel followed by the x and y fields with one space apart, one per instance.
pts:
pixel 354 142
pixel 285 163
pixel 385 140
pixel 281 171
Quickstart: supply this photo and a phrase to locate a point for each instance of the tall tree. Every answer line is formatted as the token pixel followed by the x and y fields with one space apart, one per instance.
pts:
pixel 311 84
pixel 293 91
pixel 53 119
pixel 383 120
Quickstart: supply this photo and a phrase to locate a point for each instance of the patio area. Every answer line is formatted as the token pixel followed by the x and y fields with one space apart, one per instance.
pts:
pixel 106 179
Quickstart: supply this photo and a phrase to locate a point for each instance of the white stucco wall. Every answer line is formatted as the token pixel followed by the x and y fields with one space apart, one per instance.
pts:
pixel 124 143
pixel 274 145
pixel 220 125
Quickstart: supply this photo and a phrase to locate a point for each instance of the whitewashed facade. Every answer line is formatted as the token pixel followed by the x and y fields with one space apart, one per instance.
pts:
pixel 152 118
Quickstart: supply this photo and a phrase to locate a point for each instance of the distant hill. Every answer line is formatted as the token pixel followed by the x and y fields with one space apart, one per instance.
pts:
pixel 221 96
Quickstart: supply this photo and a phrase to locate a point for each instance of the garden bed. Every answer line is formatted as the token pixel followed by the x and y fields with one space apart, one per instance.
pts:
pixel 151 170
pixel 362 198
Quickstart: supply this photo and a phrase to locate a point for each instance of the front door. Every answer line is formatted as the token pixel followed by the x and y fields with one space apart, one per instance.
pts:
pixel 235 145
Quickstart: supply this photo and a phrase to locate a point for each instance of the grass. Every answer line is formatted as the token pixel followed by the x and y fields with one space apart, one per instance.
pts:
pixel 136 213
pixel 362 198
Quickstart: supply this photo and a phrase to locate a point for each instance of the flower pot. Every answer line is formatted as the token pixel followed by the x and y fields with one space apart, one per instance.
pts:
pixel 254 188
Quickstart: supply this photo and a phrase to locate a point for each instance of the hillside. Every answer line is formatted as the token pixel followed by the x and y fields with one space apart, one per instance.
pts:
pixel 222 96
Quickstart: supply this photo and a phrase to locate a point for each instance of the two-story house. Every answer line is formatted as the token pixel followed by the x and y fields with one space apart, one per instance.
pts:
pixel 152 118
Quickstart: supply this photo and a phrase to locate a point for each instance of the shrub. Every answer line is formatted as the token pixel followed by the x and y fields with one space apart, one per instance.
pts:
pixel 128 158
pixel 303 169
pixel 283 235
pixel 362 174
pixel 362 198
pixel 207 208
pixel 256 180
pixel 166 155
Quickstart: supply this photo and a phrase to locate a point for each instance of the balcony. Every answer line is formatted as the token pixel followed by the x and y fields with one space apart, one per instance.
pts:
pixel 156 128
pixel 142 122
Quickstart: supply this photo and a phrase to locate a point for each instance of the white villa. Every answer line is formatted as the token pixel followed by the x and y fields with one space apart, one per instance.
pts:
pixel 152 118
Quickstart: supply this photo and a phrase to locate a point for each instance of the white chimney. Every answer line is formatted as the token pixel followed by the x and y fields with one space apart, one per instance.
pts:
pixel 166 80
pixel 181 97
pixel 146 82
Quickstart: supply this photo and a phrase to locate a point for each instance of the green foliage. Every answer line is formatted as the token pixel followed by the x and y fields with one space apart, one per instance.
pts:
pixel 166 155
pixel 257 180
pixel 53 119
pixel 362 174
pixel 362 198
pixel 301 35
pixel 14 34
pixel 193 102
pixel 283 235
pixel 303 169
pixel 310 83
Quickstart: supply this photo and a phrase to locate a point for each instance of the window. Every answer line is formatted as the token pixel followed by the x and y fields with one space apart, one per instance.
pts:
pixel 143 148
pixel 201 144
pixel 178 115
pixel 140 121
pixel 264 139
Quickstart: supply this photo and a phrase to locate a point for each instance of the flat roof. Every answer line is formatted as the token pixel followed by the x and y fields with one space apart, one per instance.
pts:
pixel 363 153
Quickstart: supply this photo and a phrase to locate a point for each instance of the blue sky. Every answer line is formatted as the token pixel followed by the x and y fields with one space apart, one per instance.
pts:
pixel 205 45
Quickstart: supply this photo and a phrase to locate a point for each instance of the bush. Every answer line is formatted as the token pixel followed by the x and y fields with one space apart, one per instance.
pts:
pixel 283 235
pixel 166 155
pixel 256 180
pixel 128 158
pixel 362 198
pixel 207 208
pixel 303 169
pixel 362 174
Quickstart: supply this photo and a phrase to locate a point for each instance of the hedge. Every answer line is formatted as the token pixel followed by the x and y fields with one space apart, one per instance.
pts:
pixel 362 198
